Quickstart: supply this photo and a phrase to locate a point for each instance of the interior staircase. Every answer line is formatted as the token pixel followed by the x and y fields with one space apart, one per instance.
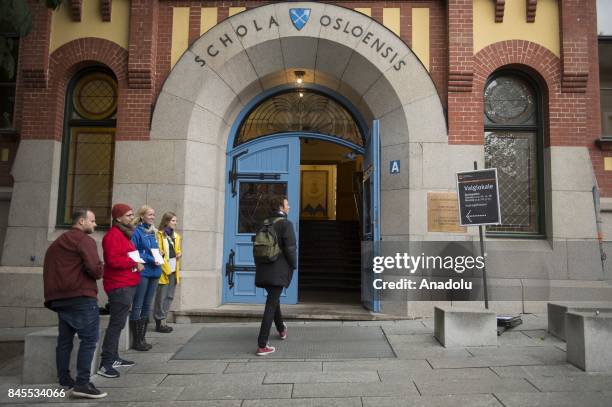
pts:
pixel 329 256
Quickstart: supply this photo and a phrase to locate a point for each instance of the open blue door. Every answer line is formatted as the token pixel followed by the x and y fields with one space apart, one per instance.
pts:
pixel 256 172
pixel 371 219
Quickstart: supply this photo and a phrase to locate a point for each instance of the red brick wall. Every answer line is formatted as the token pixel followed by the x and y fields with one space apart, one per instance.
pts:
pixel 43 108
pixel 570 82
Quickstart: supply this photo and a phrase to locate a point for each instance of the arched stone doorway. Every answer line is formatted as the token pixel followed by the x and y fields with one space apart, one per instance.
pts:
pixel 246 55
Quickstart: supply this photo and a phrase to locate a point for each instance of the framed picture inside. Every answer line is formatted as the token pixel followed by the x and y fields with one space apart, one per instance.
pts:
pixel 313 202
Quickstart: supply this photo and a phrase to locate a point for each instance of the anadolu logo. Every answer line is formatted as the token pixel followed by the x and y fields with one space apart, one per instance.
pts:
pixel 299 17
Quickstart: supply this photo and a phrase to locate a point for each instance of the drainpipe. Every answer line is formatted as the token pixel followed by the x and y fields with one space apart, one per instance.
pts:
pixel 598 222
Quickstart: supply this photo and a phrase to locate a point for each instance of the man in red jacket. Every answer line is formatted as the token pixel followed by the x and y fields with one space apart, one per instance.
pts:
pixel 121 276
pixel 70 271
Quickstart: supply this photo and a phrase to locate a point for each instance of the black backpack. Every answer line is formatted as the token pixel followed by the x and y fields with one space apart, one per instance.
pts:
pixel 265 243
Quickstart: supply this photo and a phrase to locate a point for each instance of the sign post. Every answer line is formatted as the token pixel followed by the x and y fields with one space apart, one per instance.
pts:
pixel 478 197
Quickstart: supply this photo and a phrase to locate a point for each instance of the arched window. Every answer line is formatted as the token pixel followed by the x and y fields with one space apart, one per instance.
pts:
pixel 513 143
pixel 300 110
pixel 88 146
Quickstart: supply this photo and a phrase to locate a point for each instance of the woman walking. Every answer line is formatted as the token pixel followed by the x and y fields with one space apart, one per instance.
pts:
pixel 146 244
pixel 169 242
pixel 121 277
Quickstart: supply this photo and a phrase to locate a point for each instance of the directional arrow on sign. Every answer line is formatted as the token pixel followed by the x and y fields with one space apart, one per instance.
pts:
pixel 467 215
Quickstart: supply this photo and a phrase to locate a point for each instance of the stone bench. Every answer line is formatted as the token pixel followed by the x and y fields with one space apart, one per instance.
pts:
pixel 39 357
pixel 39 353
pixel 557 311
pixel 588 340
pixel 465 327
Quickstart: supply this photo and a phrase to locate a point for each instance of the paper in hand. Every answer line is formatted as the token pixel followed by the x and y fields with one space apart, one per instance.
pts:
pixel 136 257
pixel 157 256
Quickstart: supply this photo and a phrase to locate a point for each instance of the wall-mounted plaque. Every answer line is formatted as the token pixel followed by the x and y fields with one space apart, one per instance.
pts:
pixel 443 213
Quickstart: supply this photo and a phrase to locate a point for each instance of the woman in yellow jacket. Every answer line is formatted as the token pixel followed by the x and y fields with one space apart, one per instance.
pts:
pixel 169 242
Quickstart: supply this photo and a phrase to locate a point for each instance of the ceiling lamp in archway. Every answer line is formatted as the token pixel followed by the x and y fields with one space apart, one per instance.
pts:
pixel 301 111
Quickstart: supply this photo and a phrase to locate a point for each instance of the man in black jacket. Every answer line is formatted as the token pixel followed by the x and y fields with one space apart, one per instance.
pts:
pixel 276 275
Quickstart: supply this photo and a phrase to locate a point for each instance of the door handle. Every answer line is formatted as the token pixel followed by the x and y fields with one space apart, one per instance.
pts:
pixel 229 269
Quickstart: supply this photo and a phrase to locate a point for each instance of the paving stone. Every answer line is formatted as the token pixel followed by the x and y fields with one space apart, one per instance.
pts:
pixel 143 394
pixel 559 399
pixel 313 402
pixel 323 323
pixel 129 380
pixel 483 361
pixel 169 340
pixel 237 379
pixel 377 323
pixel 10 379
pixel 546 355
pixel 517 338
pixel 76 403
pixel 412 352
pixel 353 389
pixel 320 377
pixel 214 391
pixel 200 403
pixel 160 348
pixel 543 336
pixel 146 357
pixel 180 366
pixel 276 366
pixel 415 329
pixel 379 365
pixel 431 386
pixel 536 371
pixel 441 374
pixel 421 340
pixel 532 322
pixel 573 383
pixel 453 400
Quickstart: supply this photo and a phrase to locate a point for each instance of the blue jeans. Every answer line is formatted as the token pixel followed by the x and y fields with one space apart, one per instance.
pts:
pixel 84 320
pixel 143 298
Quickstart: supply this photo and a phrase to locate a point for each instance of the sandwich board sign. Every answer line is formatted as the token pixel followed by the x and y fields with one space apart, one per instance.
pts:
pixel 478 197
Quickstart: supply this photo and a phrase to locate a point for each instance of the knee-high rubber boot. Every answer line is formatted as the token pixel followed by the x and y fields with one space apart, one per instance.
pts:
pixel 145 323
pixel 136 336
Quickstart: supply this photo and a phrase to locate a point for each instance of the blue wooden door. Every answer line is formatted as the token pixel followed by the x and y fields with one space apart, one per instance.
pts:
pixel 371 218
pixel 256 172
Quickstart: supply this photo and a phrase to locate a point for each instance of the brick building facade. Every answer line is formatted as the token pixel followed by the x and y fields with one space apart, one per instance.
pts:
pixel 452 51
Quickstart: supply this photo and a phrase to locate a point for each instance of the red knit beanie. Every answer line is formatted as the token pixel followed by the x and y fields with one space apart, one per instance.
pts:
pixel 119 210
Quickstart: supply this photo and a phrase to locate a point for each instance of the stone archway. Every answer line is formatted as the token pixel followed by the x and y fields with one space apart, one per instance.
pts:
pixel 243 56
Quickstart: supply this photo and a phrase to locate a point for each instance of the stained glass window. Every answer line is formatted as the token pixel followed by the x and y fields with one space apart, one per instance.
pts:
pixel 512 144
pixel 88 147
pixel 299 111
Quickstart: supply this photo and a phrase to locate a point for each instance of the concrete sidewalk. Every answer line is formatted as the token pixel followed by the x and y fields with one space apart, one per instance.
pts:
pixel 528 368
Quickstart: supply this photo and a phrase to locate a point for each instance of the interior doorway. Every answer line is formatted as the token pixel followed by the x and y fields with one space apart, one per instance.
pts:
pixel 330 229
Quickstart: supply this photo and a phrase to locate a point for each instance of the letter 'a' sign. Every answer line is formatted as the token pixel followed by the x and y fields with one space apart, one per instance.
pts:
pixel 478 197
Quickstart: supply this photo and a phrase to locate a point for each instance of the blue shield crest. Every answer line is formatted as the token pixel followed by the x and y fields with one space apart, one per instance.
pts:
pixel 299 17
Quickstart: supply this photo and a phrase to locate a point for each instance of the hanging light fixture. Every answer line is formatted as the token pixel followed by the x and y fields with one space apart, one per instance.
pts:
pixel 299 77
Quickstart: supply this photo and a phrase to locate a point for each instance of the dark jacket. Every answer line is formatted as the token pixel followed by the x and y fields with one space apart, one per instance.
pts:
pixel 71 267
pixel 279 273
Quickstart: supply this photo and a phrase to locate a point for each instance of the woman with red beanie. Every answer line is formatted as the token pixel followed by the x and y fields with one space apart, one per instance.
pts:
pixel 121 277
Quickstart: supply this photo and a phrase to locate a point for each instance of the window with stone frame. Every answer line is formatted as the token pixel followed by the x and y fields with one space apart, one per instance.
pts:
pixel 513 144
pixel 88 146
